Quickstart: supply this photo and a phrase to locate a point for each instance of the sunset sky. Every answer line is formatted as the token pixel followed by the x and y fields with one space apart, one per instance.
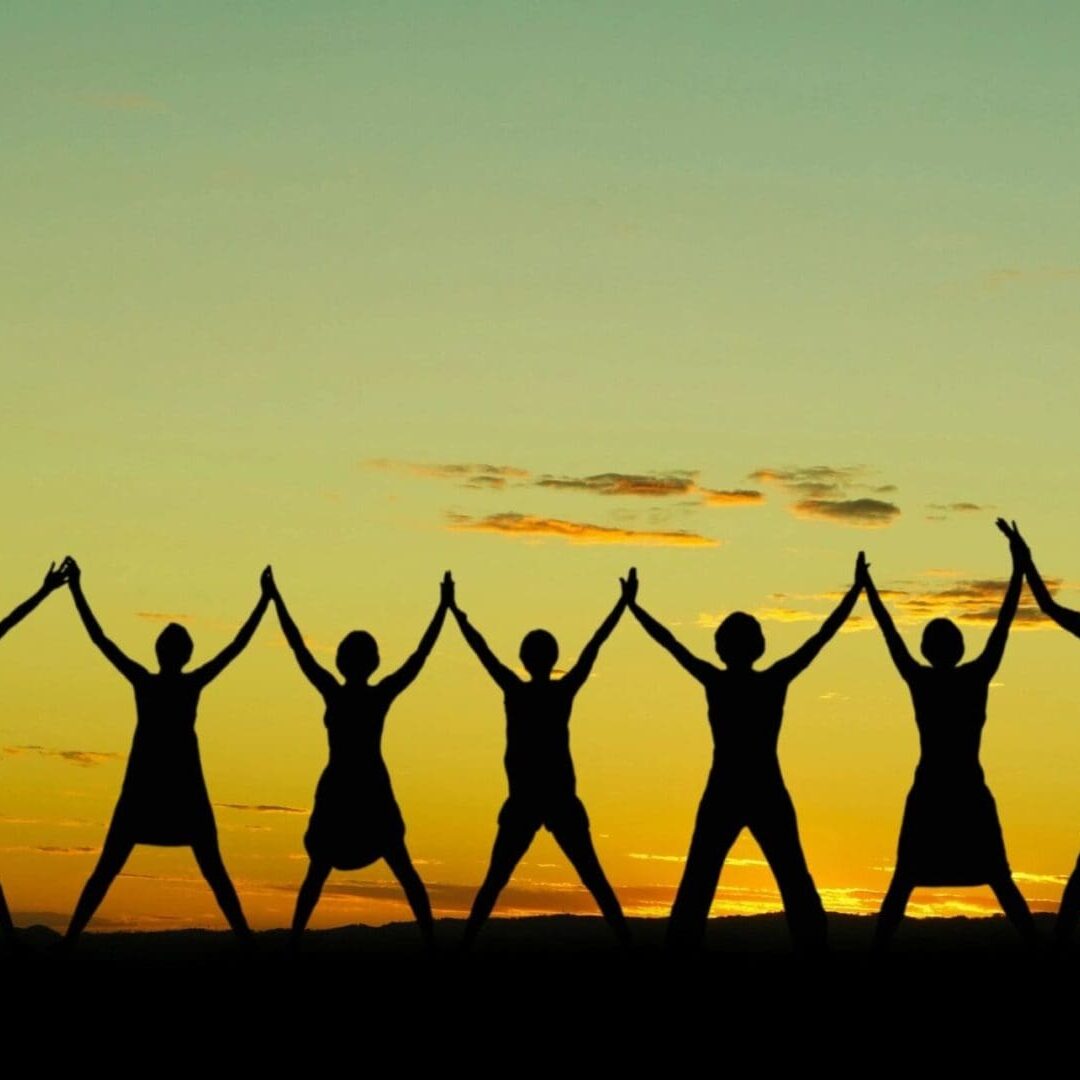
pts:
pixel 534 293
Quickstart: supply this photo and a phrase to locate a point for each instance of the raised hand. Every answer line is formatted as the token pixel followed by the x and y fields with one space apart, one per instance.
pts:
pixel 269 586
pixel 71 571
pixel 54 578
pixel 446 591
pixel 1017 545
pixel 630 586
pixel 862 570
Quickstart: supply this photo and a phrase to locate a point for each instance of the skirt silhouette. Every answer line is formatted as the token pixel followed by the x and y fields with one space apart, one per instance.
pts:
pixel 951 834
pixel 164 800
pixel 354 822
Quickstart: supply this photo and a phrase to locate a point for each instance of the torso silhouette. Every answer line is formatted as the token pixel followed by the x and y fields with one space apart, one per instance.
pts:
pixel 538 763
pixel 164 798
pixel 746 710
pixel 950 712
pixel 355 815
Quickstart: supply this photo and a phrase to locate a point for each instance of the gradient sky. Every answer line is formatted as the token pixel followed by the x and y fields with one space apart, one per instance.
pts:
pixel 267 270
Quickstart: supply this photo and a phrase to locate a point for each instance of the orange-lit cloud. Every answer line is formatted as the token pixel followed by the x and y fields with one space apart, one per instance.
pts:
pixel 163 616
pixel 734 497
pixel 827 493
pixel 261 808
pixel 84 758
pixel 574 532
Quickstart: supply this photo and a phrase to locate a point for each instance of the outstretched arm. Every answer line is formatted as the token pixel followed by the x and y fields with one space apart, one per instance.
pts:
pixel 804 655
pixel 120 660
pixel 576 676
pixel 213 668
pixel 494 667
pixel 1065 617
pixel 905 663
pixel 313 671
pixel 400 679
pixel 53 580
pixel 700 669
pixel 995 644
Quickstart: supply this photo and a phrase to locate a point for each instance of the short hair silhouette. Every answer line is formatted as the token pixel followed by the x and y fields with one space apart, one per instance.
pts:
pixel 942 643
pixel 173 647
pixel 539 652
pixel 357 655
pixel 739 640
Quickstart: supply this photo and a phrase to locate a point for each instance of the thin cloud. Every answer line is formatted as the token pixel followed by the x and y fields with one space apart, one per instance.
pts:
pixel 865 513
pixel 84 758
pixel 733 497
pixel 261 808
pixel 997 279
pixel 959 507
pixel 531 526
pixel 474 475
pixel 656 485
pixel 829 493
pixel 164 616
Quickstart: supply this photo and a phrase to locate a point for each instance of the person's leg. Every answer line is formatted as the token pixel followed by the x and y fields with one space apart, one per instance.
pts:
pixel 892 911
pixel 1069 912
pixel 1015 907
pixel 776 830
pixel 515 834
pixel 400 863
pixel 208 856
pixel 114 854
pixel 7 927
pixel 308 897
pixel 571 832
pixel 715 830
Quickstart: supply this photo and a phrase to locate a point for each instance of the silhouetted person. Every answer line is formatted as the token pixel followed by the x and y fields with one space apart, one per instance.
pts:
pixel 53 580
pixel 745 789
pixel 539 768
pixel 163 800
pixel 1067 619
pixel 950 833
pixel 356 819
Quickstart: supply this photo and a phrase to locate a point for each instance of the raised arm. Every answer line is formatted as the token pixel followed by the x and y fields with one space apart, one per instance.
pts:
pixel 991 655
pixel 400 679
pixel 1065 617
pixel 213 668
pixel 120 660
pixel 700 669
pixel 494 667
pixel 313 671
pixel 577 675
pixel 905 663
pixel 53 580
pixel 798 661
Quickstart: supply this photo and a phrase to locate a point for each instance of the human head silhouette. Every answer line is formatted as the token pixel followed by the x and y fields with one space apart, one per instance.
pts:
pixel 942 643
pixel 357 655
pixel 539 651
pixel 173 647
pixel 739 640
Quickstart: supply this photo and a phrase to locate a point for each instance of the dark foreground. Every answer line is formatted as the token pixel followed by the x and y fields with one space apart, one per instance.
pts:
pixel 554 993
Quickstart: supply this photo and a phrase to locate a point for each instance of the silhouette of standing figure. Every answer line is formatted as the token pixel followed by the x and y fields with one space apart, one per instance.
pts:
pixel 163 800
pixel 54 579
pixel 356 819
pixel 1067 619
pixel 950 833
pixel 745 788
pixel 539 768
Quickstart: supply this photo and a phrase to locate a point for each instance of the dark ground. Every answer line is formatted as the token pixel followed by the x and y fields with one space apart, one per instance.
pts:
pixel 554 992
